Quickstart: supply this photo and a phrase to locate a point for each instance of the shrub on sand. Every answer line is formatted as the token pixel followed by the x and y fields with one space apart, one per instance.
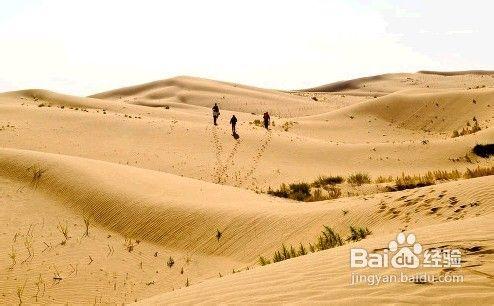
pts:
pixel 358 233
pixel 384 179
pixel 410 182
pixel 333 192
pixel 328 239
pixel 359 178
pixel 322 181
pixel 478 172
pixel 263 261
pixel 283 192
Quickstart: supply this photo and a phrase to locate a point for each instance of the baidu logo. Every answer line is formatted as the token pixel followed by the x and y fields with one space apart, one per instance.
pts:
pixel 404 252
pixel 406 257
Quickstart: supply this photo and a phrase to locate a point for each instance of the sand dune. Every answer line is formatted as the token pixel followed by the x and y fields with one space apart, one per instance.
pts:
pixel 157 181
pixel 451 73
pixel 203 92
pixel 322 276
pixel 387 83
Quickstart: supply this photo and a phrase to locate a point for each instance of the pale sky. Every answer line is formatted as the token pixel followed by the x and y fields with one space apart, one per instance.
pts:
pixel 87 46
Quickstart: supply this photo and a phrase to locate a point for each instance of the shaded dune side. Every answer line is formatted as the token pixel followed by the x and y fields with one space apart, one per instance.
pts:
pixel 345 85
pixel 358 83
pixel 175 212
pixel 203 92
pixel 49 97
pixel 182 213
pixel 179 82
pixel 326 276
pixel 440 111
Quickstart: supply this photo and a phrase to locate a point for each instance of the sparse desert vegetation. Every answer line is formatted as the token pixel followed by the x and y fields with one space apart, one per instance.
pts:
pixel 359 179
pixel 12 256
pixel 328 239
pixel 469 129
pixel 63 228
pixel 87 222
pixel 257 122
pixel 358 233
pixel 411 181
pixel 37 173
pixel 478 172
pixel 286 126
pixel 314 191
pixel 130 244
pixel 322 181
pixel 170 262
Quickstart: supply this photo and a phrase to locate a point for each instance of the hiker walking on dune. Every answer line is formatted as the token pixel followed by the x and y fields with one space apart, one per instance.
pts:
pixel 216 113
pixel 267 120
pixel 233 122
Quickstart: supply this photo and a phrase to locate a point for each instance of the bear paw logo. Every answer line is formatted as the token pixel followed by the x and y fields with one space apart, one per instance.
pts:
pixel 406 257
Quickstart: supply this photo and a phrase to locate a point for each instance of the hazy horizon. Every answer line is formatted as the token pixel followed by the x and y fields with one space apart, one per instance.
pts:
pixel 86 47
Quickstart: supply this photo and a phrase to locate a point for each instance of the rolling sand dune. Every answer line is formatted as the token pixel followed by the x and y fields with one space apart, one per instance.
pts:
pixel 387 83
pixel 172 201
pixel 203 92
pixel 322 276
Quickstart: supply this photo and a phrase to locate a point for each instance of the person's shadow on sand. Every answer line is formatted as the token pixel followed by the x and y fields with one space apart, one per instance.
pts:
pixel 235 135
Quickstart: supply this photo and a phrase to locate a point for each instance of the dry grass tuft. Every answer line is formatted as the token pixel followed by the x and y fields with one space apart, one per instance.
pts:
pixel 263 261
pixel 384 179
pixel 359 178
pixel 218 234
pixel 37 174
pixel 64 230
pixel 12 256
pixel 130 244
pixel 20 292
pixel 87 222
pixel 358 233
pixel 327 240
pixel 322 181
pixel 170 262
pixel 470 129
pixel 478 172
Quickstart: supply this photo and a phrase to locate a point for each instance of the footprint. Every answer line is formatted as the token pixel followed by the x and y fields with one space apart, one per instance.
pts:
pixel 257 157
pixel 218 150
pixel 433 210
pixel 229 160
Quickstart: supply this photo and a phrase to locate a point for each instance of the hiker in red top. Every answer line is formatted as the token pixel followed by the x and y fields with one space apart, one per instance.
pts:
pixel 267 120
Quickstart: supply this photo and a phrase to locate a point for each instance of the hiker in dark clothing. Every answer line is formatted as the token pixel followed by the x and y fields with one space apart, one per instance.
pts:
pixel 233 122
pixel 267 120
pixel 216 113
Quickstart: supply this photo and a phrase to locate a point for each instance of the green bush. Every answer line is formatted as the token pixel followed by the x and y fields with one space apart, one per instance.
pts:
pixel 283 192
pixel 300 188
pixel 478 172
pixel 410 182
pixel 263 261
pixel 328 239
pixel 327 180
pixel 359 179
pixel 358 233
pixel 333 191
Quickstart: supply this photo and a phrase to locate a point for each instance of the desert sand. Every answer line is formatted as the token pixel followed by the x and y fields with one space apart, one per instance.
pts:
pixel 133 195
